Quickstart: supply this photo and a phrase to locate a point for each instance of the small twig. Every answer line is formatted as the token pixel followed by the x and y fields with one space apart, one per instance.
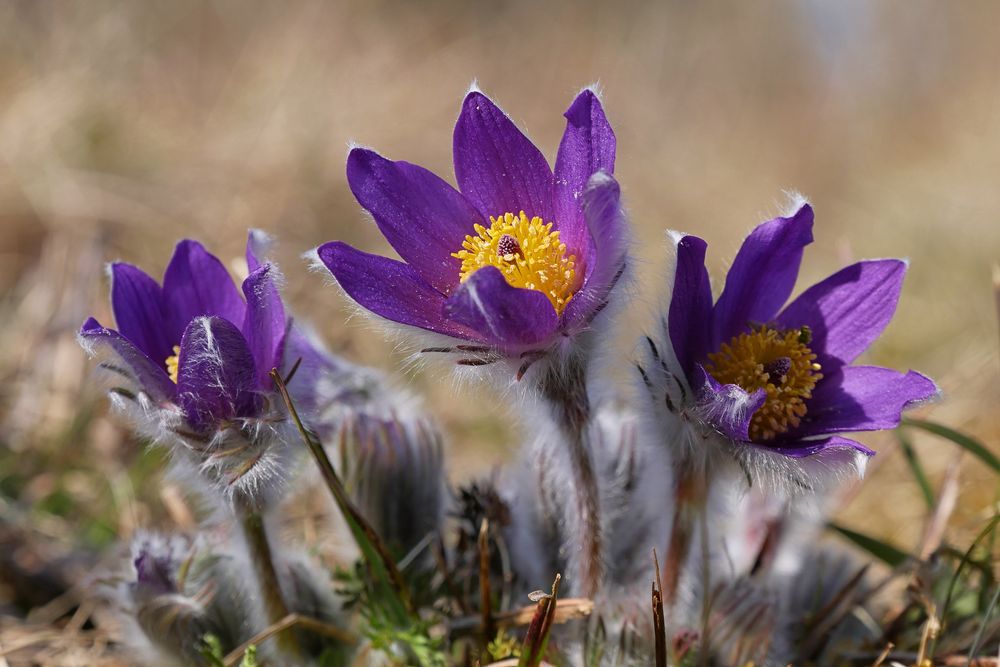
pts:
pixel 659 627
pixel 883 655
pixel 568 609
pixel 307 622
pixel 485 596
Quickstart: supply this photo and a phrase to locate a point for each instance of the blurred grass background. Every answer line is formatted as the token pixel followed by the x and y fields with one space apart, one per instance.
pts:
pixel 127 126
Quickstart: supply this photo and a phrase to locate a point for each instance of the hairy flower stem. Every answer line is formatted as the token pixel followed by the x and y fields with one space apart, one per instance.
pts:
pixel 564 386
pixel 259 548
pixel 690 497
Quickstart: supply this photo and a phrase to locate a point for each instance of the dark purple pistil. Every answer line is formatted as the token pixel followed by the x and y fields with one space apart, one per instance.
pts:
pixel 508 245
pixel 776 370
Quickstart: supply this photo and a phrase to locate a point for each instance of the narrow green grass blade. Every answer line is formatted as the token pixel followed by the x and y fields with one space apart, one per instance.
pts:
pixel 884 551
pixel 987 529
pixel 966 442
pixel 987 615
pixel 916 468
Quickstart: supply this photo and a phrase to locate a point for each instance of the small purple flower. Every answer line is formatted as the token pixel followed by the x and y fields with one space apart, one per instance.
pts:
pixel 518 255
pixel 195 342
pixel 780 379
pixel 189 364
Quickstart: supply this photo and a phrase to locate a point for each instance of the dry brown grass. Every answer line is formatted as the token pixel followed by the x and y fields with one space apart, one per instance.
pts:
pixel 126 126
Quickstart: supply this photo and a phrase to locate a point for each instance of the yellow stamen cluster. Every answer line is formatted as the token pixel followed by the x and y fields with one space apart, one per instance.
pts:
pixel 781 363
pixel 171 363
pixel 527 252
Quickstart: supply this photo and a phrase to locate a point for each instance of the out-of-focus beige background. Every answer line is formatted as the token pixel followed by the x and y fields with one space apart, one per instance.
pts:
pixel 127 126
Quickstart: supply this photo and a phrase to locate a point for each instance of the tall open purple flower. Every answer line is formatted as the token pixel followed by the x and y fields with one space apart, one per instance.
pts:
pixel 776 378
pixel 515 258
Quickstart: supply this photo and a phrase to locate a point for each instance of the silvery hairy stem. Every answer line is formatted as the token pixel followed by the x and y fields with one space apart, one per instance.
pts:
pixel 564 388
pixel 261 555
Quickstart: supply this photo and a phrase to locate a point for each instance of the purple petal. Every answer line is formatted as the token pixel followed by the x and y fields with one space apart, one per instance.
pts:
pixel 154 573
pixel 498 169
pixel 216 377
pixel 863 398
pixel 504 315
pixel 258 245
pixel 847 311
pixel 389 288
pixel 763 274
pixel 265 325
pixel 149 375
pixel 689 319
pixel 818 459
pixel 728 408
pixel 196 283
pixel 423 218
pixel 588 146
pixel 803 448
pixel 140 316
pixel 608 226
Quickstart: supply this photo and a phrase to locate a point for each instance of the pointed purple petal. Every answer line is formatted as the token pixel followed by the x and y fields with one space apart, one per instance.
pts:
pixel 863 398
pixel 216 377
pixel 588 146
pixel 847 311
pixel 264 326
pixel 140 316
pixel 127 358
pixel 498 169
pixel 763 274
pixel 258 245
pixel 689 319
pixel 728 408
pixel 196 283
pixel 504 315
pixel 804 448
pixel 609 228
pixel 389 288
pixel 423 218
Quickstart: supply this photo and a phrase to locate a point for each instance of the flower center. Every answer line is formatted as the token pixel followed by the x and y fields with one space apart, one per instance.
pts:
pixel 171 363
pixel 527 252
pixel 780 363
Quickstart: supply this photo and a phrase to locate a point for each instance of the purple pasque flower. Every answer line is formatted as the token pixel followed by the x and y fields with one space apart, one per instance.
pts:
pixel 189 364
pixel 777 378
pixel 196 342
pixel 517 256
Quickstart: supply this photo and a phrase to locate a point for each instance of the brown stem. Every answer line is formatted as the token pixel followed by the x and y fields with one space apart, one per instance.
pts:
pixel 564 385
pixel 485 596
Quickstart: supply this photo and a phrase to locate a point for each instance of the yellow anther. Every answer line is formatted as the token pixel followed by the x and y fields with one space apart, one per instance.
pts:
pixel 171 363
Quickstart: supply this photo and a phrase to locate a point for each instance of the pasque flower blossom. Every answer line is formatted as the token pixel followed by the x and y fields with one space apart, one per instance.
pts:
pixel 517 256
pixel 189 362
pixel 780 380
pixel 517 264
pixel 195 342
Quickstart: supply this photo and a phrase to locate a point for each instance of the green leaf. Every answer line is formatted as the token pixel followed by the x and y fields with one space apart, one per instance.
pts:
pixel 966 442
pixel 211 650
pixel 250 657
pixel 885 552
pixel 917 469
